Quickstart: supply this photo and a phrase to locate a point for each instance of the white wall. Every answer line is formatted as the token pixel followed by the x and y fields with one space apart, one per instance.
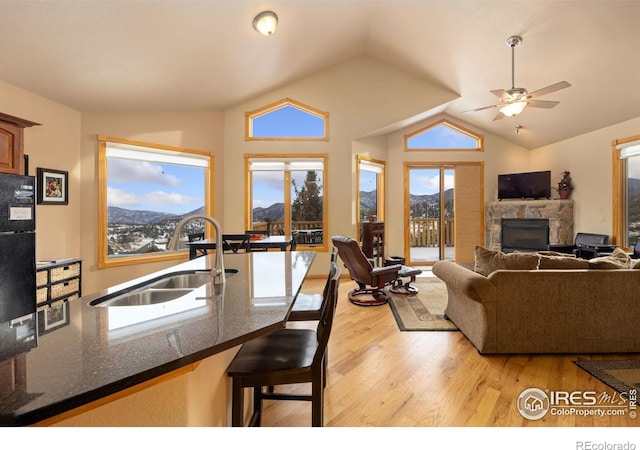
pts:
pixel 589 159
pixel 198 130
pixel 499 156
pixel 361 96
pixel 55 144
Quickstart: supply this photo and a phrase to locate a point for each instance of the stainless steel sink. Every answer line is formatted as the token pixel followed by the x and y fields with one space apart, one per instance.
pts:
pixel 183 281
pixel 148 296
pixel 159 290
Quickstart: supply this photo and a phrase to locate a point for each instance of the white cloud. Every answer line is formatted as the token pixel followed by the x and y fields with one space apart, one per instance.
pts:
pixel 126 171
pixel 432 184
pixel 120 197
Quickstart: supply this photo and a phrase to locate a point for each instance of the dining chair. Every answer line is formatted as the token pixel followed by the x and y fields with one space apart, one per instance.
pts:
pixel 285 356
pixel 258 234
pixel 235 242
pixel 193 237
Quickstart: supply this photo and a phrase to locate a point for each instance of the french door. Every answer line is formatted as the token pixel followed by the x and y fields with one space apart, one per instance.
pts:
pixel 444 217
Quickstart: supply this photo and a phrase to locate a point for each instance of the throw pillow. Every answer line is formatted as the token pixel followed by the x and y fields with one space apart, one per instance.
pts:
pixel 617 260
pixel 566 262
pixel 488 261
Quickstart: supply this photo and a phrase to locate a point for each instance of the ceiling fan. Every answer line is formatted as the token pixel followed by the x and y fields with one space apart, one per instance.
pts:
pixel 514 100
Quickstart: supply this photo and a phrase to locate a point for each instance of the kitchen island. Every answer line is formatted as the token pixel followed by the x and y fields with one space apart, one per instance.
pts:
pixel 82 355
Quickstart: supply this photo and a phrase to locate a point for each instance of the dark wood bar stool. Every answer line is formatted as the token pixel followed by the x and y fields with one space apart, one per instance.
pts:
pixel 308 305
pixel 285 356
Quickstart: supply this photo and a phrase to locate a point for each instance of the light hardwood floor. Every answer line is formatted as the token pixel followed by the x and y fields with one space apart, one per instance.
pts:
pixel 379 376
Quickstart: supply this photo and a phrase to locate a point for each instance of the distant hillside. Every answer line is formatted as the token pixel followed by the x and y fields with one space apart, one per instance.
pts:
pixel 138 217
pixel 274 212
pixel 429 198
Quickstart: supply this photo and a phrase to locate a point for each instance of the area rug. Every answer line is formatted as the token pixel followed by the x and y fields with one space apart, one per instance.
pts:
pixel 423 311
pixel 621 375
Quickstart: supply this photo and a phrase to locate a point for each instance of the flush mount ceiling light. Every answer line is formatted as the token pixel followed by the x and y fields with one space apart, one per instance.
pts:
pixel 265 22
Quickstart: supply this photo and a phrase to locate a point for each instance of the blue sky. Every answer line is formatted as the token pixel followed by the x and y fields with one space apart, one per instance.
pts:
pixel 268 187
pixel 278 123
pixel 427 181
pixel 141 185
pixel 441 136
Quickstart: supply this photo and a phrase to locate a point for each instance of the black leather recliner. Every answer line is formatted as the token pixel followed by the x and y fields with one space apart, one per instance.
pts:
pixel 586 245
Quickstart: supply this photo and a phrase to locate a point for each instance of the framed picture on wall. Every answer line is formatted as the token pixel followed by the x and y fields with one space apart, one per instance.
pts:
pixel 53 317
pixel 53 187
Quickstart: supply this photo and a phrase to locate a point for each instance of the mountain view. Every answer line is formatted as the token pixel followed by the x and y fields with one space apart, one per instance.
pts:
pixel 134 231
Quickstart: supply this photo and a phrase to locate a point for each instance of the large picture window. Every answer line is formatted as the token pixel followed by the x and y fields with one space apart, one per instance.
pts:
pixel 145 190
pixel 626 191
pixel 286 195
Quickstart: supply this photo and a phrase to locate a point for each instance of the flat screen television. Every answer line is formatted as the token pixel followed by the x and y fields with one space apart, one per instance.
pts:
pixel 529 185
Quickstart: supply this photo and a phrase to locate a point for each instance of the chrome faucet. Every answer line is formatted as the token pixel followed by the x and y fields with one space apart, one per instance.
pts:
pixel 218 271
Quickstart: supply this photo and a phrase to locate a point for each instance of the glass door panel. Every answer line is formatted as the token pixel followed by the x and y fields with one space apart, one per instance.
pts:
pixel 431 224
pixel 268 201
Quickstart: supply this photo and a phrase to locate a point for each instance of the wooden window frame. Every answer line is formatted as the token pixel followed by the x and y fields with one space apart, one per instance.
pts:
pixel 287 194
pixel 620 199
pixel 250 115
pixel 381 190
pixel 103 258
pixel 477 137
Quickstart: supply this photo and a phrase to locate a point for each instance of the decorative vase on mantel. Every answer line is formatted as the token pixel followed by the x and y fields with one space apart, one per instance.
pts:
pixel 565 185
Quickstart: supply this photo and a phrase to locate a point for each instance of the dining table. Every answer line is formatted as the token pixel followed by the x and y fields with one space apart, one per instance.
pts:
pixel 280 242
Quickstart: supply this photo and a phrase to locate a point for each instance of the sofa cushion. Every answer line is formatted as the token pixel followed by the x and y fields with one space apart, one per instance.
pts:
pixel 635 264
pixel 617 260
pixel 564 262
pixel 487 261
pixel 552 253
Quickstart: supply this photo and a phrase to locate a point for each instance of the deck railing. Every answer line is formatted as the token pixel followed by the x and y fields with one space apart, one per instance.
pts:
pixel 422 232
pixel 277 228
pixel 426 232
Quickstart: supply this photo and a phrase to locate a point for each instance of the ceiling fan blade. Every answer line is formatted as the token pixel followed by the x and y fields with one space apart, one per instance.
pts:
pixel 481 109
pixel 499 116
pixel 504 95
pixel 548 89
pixel 541 103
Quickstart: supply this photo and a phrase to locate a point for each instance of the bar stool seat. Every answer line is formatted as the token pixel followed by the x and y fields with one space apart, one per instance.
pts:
pixel 285 356
pixel 308 305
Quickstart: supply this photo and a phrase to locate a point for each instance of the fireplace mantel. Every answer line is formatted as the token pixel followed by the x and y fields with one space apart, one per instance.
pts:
pixel 559 213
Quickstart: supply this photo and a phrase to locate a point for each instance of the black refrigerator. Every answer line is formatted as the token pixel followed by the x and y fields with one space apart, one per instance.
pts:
pixel 17 246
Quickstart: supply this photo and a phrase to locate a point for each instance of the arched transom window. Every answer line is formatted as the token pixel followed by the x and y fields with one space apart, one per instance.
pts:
pixel 443 135
pixel 287 119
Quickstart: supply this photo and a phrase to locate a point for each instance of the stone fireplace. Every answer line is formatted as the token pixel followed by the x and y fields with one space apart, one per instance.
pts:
pixel 558 212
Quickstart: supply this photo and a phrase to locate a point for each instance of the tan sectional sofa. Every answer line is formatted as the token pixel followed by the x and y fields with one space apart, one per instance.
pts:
pixel 548 310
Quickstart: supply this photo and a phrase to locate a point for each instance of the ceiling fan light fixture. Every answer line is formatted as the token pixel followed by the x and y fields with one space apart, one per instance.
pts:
pixel 265 23
pixel 513 109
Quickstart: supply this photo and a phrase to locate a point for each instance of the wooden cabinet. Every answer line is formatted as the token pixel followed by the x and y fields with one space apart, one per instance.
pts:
pixel 11 143
pixel 373 241
pixel 58 281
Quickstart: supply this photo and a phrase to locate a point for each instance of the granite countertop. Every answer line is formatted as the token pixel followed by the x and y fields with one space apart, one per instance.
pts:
pixel 74 353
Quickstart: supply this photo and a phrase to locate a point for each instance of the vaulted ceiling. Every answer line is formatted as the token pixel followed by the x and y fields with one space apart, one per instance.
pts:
pixel 124 55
